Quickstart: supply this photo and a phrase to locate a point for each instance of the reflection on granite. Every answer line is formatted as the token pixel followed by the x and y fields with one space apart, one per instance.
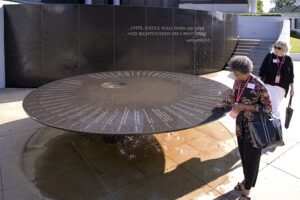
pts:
pixel 23 46
pixel 218 39
pixel 130 50
pixel 60 41
pixel 159 49
pixel 96 40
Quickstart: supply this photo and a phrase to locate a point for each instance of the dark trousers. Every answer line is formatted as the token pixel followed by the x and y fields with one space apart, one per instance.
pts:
pixel 250 157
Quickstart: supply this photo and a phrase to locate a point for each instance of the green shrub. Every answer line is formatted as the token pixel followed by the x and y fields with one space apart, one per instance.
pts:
pixel 295 34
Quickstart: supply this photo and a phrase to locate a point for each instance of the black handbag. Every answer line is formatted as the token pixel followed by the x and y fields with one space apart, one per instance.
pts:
pixel 288 114
pixel 266 131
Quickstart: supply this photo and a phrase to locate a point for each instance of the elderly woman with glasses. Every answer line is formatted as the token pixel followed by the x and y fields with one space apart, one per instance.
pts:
pixel 249 94
pixel 277 72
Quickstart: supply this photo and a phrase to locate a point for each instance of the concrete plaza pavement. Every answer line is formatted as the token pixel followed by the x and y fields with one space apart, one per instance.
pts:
pixel 38 162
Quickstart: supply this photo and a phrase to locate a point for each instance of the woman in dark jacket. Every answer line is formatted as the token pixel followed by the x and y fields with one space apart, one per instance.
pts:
pixel 248 95
pixel 277 72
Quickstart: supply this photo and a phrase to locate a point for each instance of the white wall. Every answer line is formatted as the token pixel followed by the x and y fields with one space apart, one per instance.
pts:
pixel 117 2
pixel 293 20
pixel 259 27
pixel 253 6
pixel 285 32
pixel 2 61
pixel 227 8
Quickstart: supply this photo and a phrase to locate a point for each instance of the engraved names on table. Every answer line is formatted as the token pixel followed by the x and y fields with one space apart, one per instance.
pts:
pixel 125 102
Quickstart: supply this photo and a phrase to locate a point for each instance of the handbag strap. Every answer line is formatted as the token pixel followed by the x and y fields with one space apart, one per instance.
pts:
pixel 290 102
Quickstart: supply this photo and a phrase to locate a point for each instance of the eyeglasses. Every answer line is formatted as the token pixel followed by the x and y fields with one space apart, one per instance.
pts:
pixel 279 48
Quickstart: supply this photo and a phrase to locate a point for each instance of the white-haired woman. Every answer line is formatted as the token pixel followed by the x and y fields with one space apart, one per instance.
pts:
pixel 277 72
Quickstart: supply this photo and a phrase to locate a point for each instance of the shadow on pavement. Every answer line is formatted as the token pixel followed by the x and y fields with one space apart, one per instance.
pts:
pixel 68 166
pixel 231 195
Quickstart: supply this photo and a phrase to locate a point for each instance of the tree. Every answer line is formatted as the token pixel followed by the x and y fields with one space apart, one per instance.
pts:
pixel 260 6
pixel 279 4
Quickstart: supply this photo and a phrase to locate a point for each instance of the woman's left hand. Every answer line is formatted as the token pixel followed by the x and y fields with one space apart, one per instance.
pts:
pixel 292 91
pixel 239 107
pixel 243 107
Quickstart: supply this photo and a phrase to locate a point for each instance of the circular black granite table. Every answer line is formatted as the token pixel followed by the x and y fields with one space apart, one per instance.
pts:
pixel 127 102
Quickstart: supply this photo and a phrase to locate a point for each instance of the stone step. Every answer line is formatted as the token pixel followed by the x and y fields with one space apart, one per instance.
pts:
pixel 243 49
pixel 255 69
pixel 254 53
pixel 249 50
pixel 251 54
pixel 257 41
pixel 255 44
pixel 255 47
pixel 242 52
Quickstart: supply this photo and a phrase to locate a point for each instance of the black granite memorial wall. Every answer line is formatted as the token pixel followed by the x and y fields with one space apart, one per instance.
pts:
pixel 96 38
pixel 60 41
pixel 151 3
pixel 23 46
pixel 50 41
pixel 218 39
pixel 159 49
pixel 52 1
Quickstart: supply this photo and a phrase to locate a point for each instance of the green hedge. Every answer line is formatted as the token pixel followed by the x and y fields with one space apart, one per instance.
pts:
pixel 295 34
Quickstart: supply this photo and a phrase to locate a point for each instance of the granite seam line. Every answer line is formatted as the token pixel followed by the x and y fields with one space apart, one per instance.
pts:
pixel 40 179
pixel 292 175
pixel 132 186
pixel 78 38
pixel 205 183
pixel 227 129
pixel 297 143
pixel 21 131
pixel 267 164
pixel 184 167
pixel 188 142
pixel 1 179
pixel 114 36
pixel 11 155
pixel 218 192
pixel 93 171
pixel 293 139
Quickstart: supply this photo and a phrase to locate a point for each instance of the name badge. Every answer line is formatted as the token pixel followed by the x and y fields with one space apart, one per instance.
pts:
pixel 251 85
pixel 274 60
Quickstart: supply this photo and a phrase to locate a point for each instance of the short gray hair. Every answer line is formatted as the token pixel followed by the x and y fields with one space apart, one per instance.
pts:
pixel 242 64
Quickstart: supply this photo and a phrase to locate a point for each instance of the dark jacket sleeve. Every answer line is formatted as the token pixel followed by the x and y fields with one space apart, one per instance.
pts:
pixel 264 66
pixel 291 71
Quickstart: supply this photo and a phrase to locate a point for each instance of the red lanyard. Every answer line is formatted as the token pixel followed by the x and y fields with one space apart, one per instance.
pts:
pixel 282 62
pixel 239 94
